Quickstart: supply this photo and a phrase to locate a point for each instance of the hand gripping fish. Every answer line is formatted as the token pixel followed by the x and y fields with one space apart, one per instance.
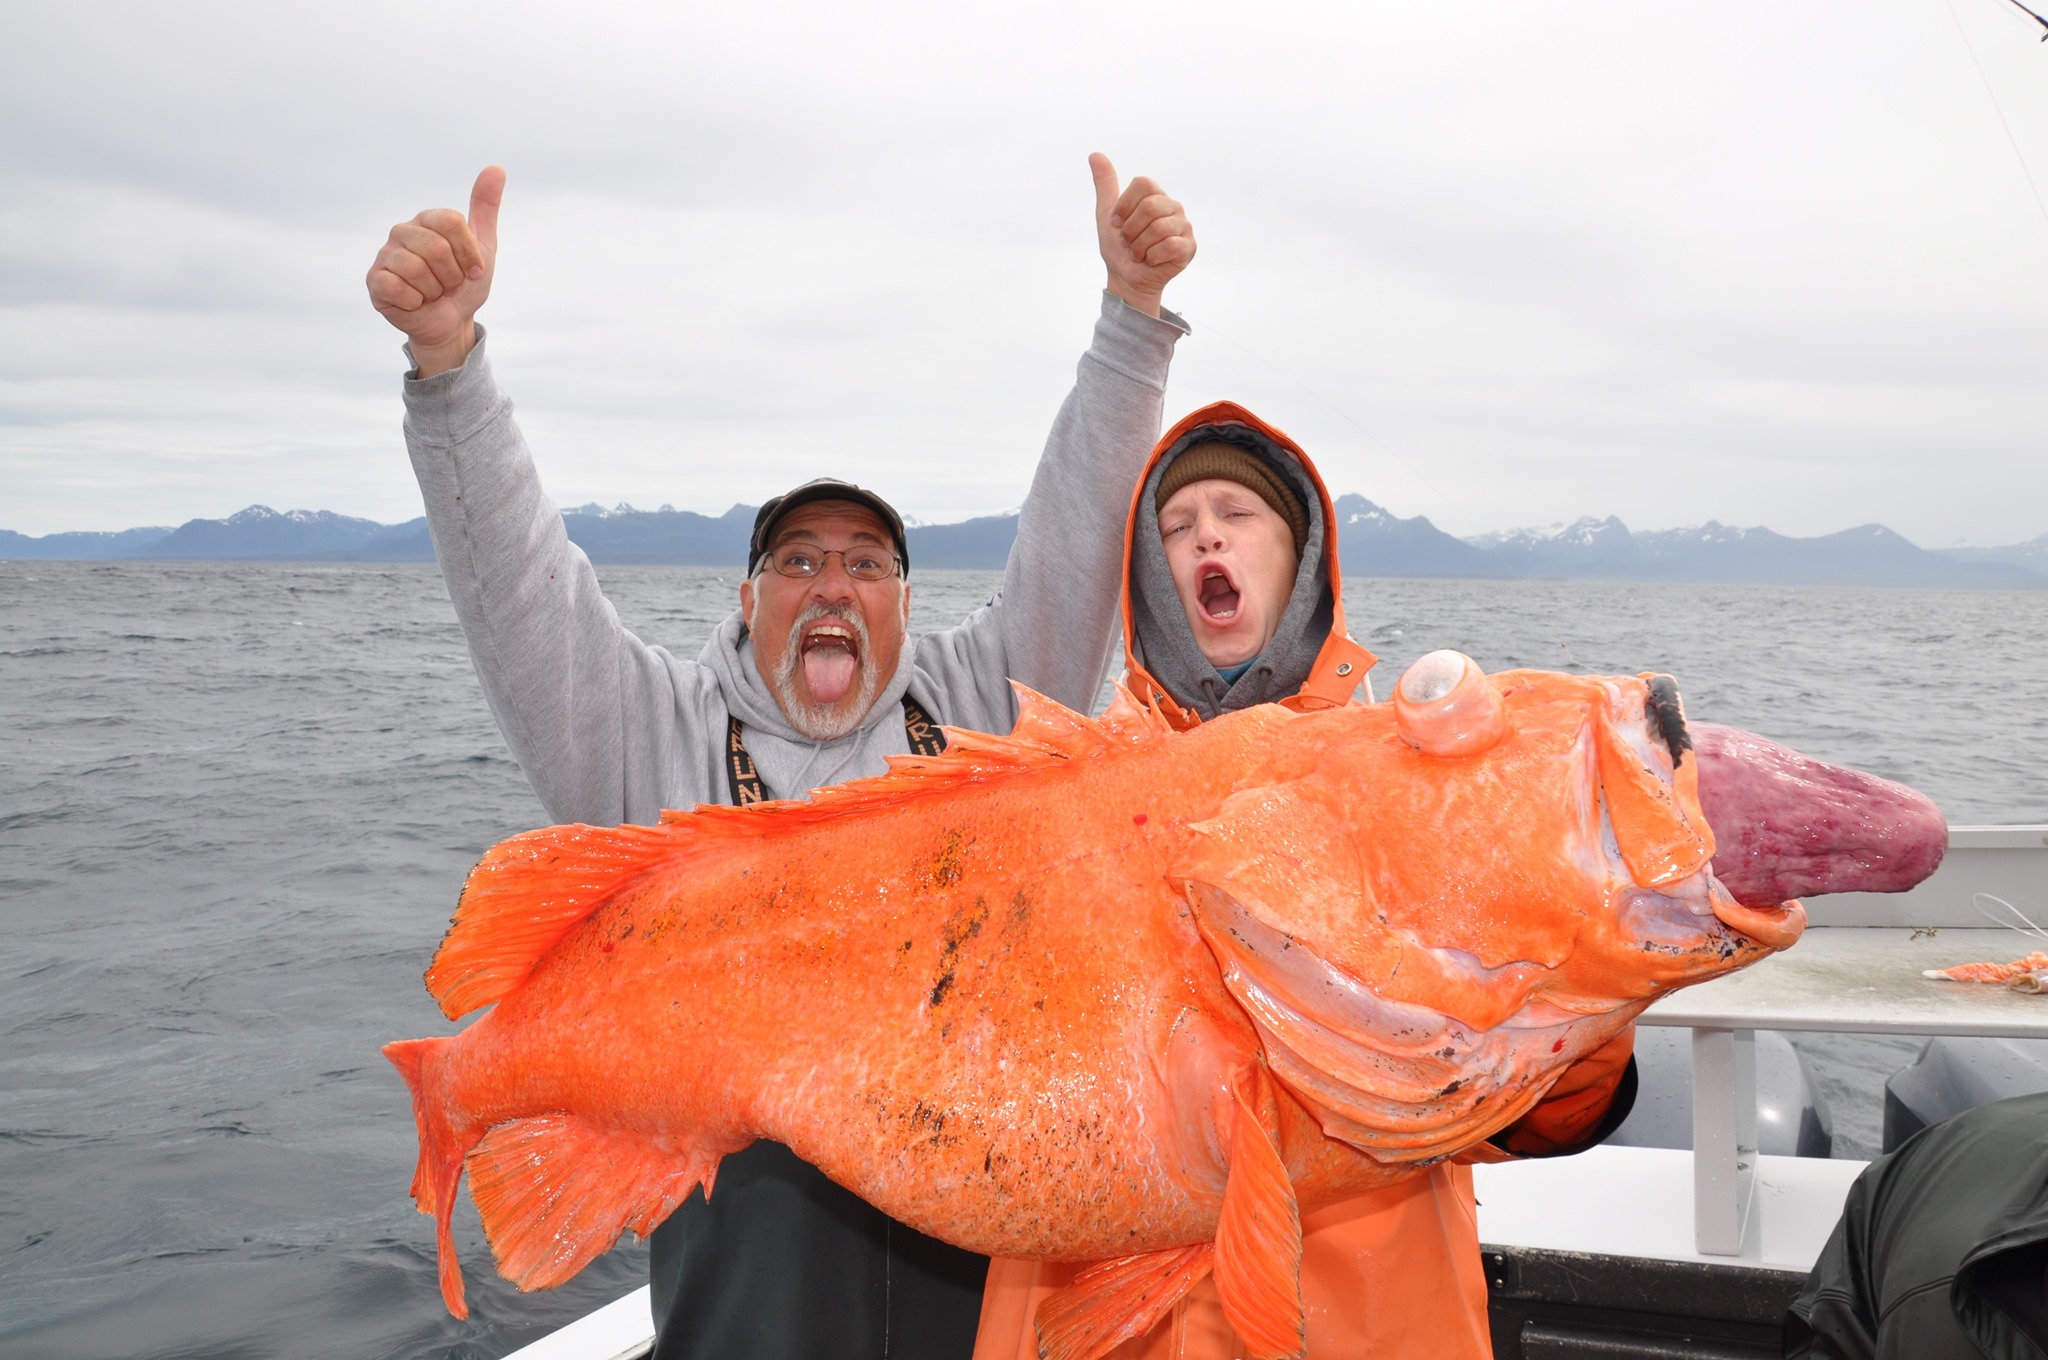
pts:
pixel 1097 991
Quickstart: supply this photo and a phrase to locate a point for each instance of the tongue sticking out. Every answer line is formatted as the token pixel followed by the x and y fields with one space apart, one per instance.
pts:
pixel 1788 826
pixel 830 668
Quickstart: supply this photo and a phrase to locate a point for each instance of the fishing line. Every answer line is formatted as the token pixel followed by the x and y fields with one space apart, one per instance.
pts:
pixel 1978 900
pixel 2031 15
pixel 1450 503
pixel 1998 108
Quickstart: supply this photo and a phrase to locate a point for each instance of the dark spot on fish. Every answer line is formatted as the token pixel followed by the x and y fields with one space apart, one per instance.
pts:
pixel 946 870
pixel 1667 717
pixel 609 946
pixel 961 928
pixel 906 946
pixel 1557 1047
pixel 1039 1004
pixel 1452 1089
pixel 925 1118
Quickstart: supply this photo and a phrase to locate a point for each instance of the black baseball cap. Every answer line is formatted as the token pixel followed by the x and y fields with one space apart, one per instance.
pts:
pixel 824 489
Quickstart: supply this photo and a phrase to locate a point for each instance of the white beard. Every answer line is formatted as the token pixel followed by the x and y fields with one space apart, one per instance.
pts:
pixel 817 721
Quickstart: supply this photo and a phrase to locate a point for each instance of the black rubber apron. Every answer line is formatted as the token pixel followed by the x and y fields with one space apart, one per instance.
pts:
pixel 783 1264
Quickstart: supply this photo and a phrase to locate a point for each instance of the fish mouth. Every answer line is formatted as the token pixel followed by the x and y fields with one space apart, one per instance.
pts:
pixel 1773 927
pixel 1217 593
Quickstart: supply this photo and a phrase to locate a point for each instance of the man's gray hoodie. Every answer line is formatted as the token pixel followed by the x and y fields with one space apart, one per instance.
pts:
pixel 609 729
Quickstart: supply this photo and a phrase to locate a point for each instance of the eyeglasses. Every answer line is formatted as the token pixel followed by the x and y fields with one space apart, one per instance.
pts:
pixel 803 561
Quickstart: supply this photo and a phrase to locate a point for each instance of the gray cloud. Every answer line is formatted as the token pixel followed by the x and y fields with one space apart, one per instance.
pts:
pixel 1755 262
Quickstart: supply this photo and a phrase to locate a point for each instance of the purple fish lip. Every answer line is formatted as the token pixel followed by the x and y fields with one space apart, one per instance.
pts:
pixel 1788 826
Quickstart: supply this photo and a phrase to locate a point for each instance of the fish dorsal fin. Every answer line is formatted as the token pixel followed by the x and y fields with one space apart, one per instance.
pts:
pixel 1047 734
pixel 1046 730
pixel 528 892
pixel 1114 1301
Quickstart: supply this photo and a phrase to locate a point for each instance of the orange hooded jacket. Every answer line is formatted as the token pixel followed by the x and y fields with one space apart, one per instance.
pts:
pixel 1394 1274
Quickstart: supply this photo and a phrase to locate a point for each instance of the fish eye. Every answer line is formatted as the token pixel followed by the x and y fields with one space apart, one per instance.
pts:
pixel 1433 676
pixel 1444 706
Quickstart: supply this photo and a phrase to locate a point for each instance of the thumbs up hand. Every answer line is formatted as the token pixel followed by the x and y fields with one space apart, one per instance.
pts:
pixel 1144 234
pixel 434 272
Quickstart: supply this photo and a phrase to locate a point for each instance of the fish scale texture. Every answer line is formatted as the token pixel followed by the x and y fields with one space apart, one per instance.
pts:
pixel 1088 992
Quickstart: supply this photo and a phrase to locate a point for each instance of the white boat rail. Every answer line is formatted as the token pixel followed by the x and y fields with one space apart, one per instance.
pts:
pixel 1857 971
pixel 621 1330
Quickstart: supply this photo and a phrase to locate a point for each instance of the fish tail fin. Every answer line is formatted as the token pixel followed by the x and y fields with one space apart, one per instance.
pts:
pixel 555 1191
pixel 1109 1303
pixel 1258 1243
pixel 442 1146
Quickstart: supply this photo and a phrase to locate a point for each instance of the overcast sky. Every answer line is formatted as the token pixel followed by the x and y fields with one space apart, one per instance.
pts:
pixel 1770 262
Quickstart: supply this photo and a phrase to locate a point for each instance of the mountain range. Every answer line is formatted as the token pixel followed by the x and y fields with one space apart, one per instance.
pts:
pixel 1371 541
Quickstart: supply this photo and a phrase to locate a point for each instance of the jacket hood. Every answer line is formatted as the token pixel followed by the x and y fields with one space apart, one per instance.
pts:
pixel 1311 662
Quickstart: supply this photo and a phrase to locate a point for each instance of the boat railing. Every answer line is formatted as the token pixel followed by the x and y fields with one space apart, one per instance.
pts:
pixel 1857 971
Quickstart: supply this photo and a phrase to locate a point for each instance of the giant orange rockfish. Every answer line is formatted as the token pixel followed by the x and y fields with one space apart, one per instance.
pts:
pixel 1100 991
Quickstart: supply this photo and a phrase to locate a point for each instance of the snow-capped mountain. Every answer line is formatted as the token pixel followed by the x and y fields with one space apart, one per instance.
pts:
pixel 1371 541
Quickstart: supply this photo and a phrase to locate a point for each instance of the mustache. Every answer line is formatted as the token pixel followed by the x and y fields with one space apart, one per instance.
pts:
pixel 792 654
pixel 823 724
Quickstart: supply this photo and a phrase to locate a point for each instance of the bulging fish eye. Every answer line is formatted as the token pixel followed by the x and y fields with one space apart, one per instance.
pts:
pixel 1444 706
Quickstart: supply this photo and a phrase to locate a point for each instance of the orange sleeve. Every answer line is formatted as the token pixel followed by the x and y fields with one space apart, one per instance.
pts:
pixel 1589 1102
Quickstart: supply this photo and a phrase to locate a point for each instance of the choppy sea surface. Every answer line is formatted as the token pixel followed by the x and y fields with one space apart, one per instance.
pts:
pixel 236 802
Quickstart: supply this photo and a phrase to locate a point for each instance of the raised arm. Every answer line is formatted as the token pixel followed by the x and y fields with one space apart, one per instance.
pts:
pixel 1051 628
pixel 1063 579
pixel 1144 235
pixel 435 271
pixel 598 720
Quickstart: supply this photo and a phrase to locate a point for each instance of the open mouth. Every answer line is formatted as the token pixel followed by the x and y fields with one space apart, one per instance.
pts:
pixel 1778 926
pixel 830 649
pixel 1217 594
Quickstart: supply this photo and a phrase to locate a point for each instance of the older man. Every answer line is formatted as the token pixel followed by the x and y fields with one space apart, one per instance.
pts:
pixel 813 680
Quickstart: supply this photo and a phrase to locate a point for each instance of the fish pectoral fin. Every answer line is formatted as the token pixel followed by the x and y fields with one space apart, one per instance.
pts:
pixel 555 1191
pixel 1258 1243
pixel 1114 1301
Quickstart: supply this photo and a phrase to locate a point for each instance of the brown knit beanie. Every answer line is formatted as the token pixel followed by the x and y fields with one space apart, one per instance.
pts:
pixel 1235 463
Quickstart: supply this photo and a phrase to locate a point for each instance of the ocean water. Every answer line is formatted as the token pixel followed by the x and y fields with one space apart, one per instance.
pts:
pixel 236 803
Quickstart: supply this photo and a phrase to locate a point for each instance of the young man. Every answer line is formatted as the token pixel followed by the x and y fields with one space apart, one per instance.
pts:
pixel 1232 597
pixel 812 680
